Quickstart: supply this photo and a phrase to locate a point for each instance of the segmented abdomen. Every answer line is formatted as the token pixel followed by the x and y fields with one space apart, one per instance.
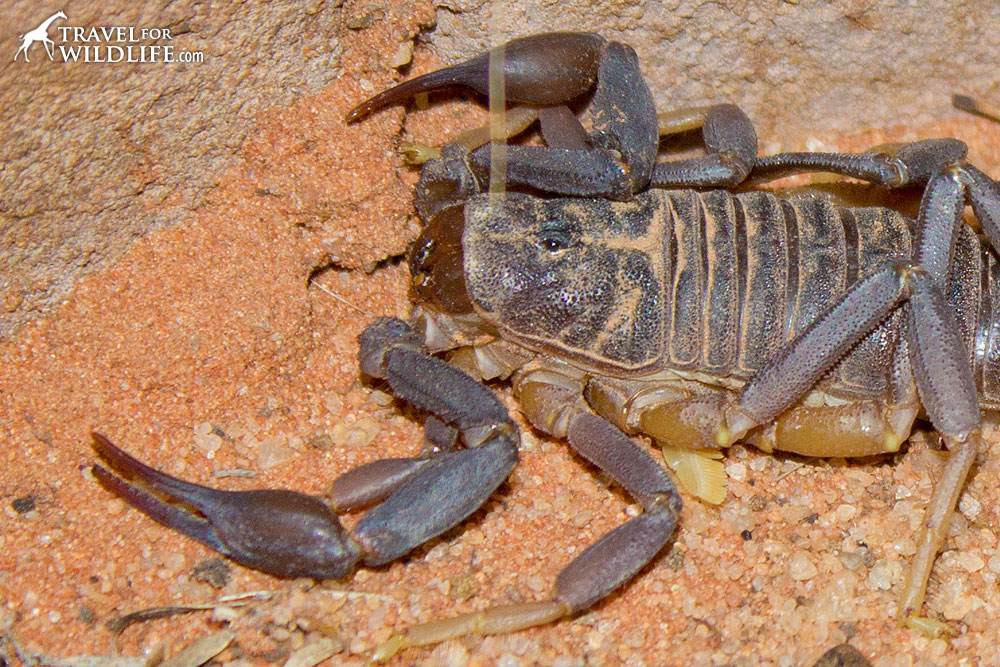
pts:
pixel 746 272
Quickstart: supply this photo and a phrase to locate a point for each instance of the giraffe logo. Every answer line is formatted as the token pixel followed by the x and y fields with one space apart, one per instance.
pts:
pixel 39 34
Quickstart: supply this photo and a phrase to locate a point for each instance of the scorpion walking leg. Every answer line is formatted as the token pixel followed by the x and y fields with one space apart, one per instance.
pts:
pixel 984 195
pixel 938 357
pixel 943 378
pixel 893 166
pixel 731 143
pixel 515 121
pixel 603 567
pixel 801 363
pixel 730 140
pixel 559 125
pixel 947 390
pixel 940 363
pixel 859 428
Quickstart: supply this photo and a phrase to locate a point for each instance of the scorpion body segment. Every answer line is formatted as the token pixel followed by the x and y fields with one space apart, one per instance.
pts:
pixel 700 318
pixel 710 283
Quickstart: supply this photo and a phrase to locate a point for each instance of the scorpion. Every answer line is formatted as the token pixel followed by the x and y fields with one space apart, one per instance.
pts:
pixel 624 295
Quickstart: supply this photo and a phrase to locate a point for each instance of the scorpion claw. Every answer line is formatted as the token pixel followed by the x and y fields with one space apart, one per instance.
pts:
pixel 167 514
pixel 289 534
pixel 283 533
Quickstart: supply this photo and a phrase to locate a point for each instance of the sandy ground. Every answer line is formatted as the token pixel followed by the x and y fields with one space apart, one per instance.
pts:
pixel 229 344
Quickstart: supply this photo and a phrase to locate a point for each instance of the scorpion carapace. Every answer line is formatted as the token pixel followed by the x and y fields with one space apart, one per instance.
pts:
pixel 699 318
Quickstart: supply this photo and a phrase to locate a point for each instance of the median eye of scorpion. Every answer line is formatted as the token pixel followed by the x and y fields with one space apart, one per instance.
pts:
pixel 663 326
pixel 555 236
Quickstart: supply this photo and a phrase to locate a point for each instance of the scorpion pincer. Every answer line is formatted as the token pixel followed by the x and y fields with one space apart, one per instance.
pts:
pixel 628 296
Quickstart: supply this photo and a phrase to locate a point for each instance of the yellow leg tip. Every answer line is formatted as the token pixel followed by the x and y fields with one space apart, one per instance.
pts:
pixel 419 153
pixel 890 443
pixel 929 627
pixel 389 648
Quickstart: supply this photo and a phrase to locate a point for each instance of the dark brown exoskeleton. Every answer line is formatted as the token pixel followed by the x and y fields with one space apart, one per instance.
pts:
pixel 698 317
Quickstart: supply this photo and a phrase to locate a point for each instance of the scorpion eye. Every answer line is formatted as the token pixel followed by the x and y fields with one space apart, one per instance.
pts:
pixel 554 236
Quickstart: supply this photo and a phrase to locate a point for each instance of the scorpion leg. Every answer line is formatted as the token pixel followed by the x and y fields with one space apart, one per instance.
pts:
pixel 718 420
pixel 860 428
pixel 943 379
pixel 732 158
pixel 559 126
pixel 730 140
pixel 680 120
pixel 290 534
pixel 984 195
pixel 893 166
pixel 603 567
pixel 939 361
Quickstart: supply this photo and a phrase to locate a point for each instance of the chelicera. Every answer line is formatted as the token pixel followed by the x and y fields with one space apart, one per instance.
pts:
pixel 627 296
